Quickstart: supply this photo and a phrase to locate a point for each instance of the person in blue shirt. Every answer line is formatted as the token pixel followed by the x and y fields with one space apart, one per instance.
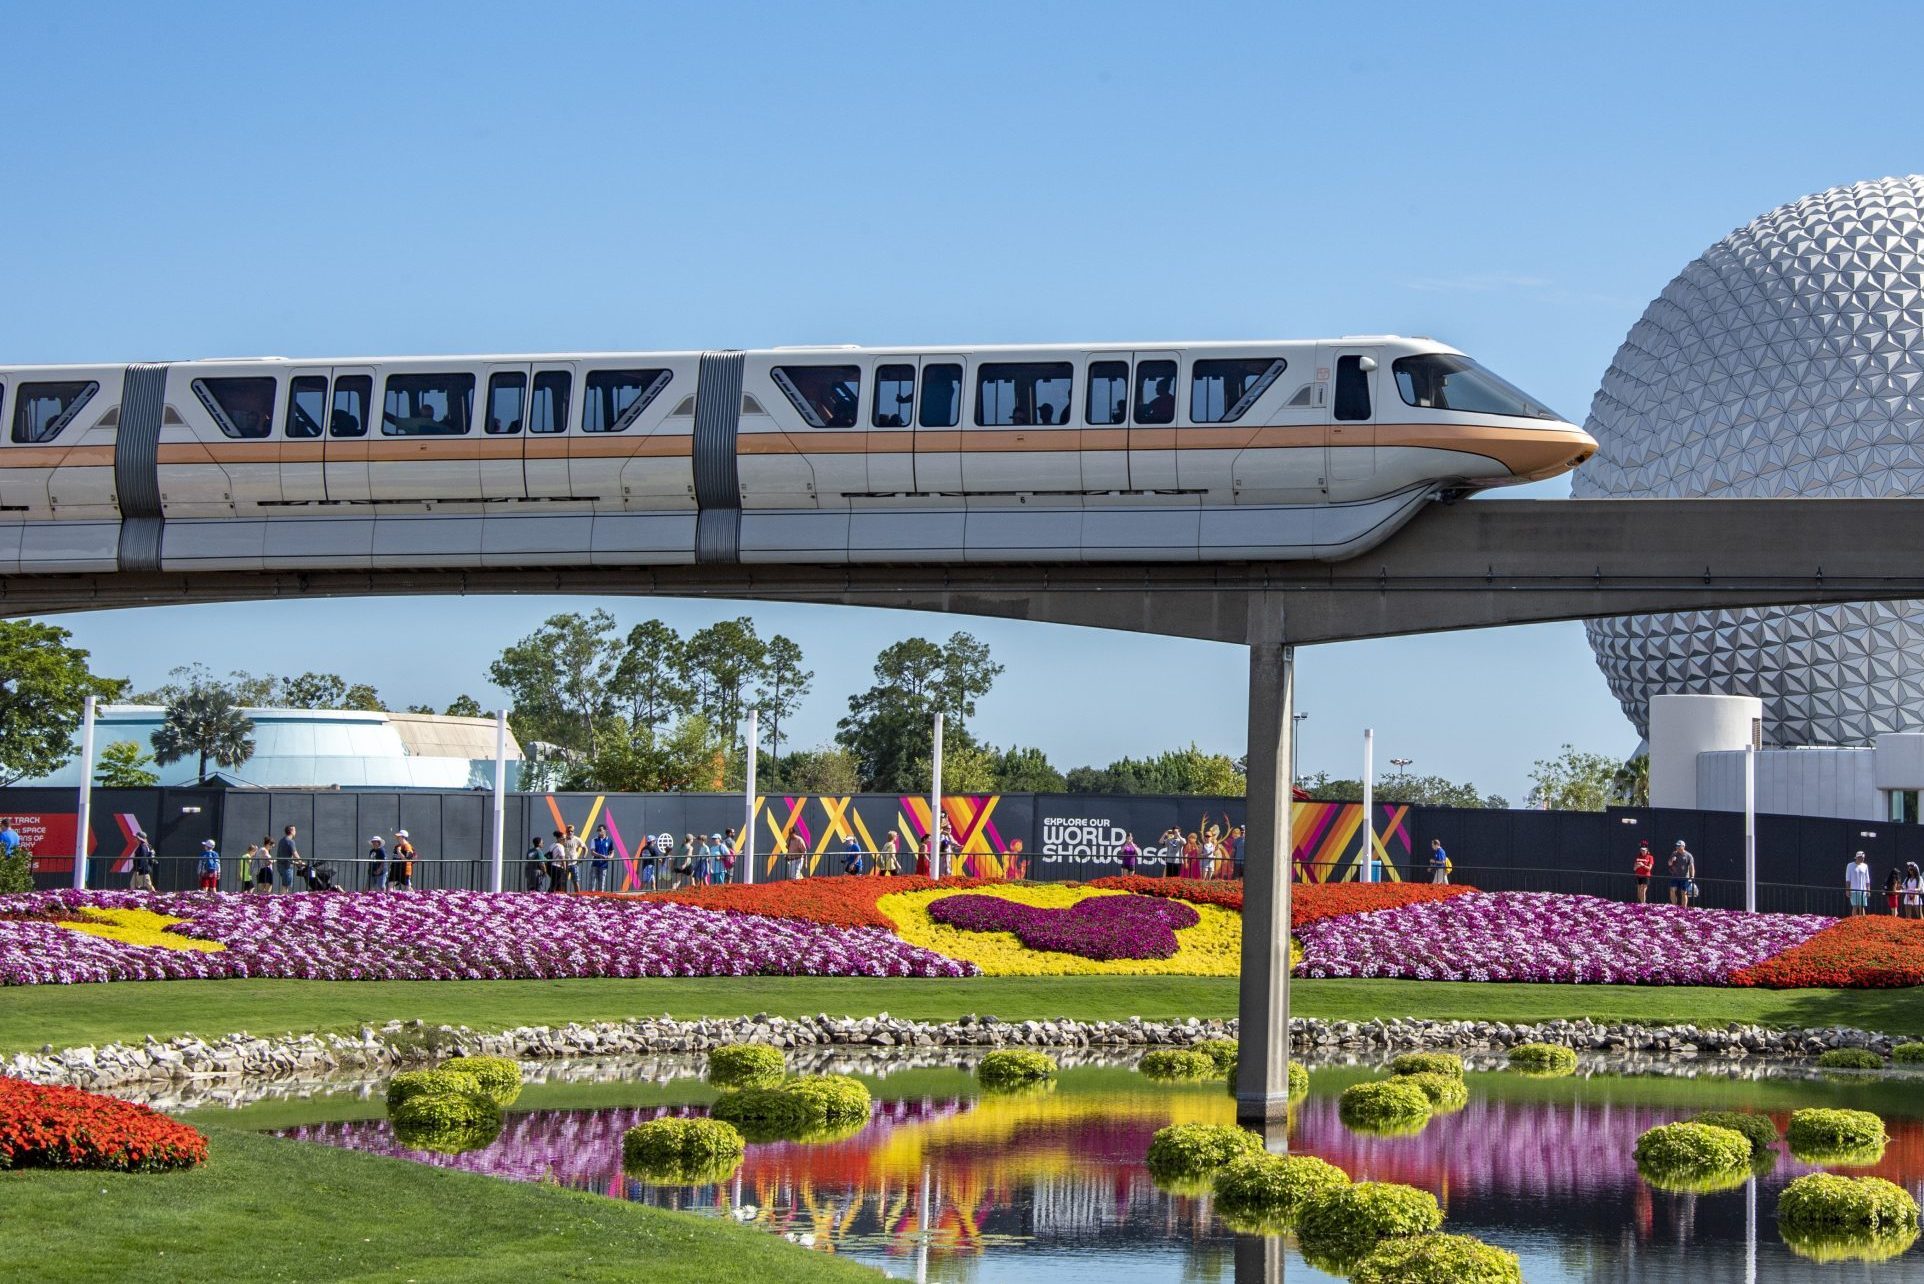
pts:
pixel 852 856
pixel 209 866
pixel 603 848
pixel 1439 862
pixel 9 838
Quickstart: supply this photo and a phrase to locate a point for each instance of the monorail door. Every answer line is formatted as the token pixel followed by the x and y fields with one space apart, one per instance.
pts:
pixel 1355 395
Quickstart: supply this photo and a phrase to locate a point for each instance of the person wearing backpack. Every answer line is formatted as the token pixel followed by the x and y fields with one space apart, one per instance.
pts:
pixel 400 863
pixel 1683 875
pixel 852 856
pixel 209 866
pixel 1439 862
pixel 145 863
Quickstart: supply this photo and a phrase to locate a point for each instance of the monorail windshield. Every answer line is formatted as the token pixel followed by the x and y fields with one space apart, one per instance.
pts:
pixel 1446 381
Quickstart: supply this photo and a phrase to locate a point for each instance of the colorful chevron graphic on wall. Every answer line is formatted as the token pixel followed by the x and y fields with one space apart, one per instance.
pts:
pixel 1327 837
pixel 826 823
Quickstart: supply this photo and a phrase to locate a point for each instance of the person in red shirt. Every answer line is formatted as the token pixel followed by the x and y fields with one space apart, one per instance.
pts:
pixel 1643 867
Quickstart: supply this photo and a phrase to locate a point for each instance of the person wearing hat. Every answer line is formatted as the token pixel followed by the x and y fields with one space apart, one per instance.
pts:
pixel 144 864
pixel 376 863
pixel 400 863
pixel 209 866
pixel 1643 866
pixel 1857 881
pixel 1683 874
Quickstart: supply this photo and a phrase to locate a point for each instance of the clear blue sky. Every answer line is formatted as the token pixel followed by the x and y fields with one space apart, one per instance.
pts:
pixel 1517 179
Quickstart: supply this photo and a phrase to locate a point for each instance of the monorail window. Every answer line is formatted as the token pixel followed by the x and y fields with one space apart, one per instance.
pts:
pixel 826 396
pixel 306 396
pixel 242 407
pixel 1108 392
pixel 614 399
pixel 41 410
pixel 348 418
pixel 894 396
pixel 1221 392
pixel 941 396
pixel 1014 393
pixel 1352 389
pixel 427 405
pixel 1446 381
pixel 548 412
pixel 1155 392
pixel 507 397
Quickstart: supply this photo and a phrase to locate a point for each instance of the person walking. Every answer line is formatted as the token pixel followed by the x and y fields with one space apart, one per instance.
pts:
pixel 851 856
pixel 1130 853
pixel 603 849
pixel 888 861
pixel 684 864
pixel 264 866
pixel 1233 851
pixel 376 863
pixel 1210 853
pixel 9 837
pixel 794 856
pixel 1913 891
pixel 577 848
pixel 1439 862
pixel 534 865
pixel 1643 866
pixel 1683 874
pixel 725 856
pixel 1191 865
pixel 400 863
pixel 1857 881
pixel 1894 892
pixel 209 866
pixel 922 863
pixel 286 853
pixel 145 862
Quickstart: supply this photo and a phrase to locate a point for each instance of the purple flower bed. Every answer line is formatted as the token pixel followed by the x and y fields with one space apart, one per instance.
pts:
pixel 1101 927
pixel 1540 936
pixel 440 936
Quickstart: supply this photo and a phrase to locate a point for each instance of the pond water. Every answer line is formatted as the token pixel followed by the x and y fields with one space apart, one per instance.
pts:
pixel 948 1184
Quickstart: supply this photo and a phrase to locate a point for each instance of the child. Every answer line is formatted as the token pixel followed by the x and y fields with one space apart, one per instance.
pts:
pixel 400 863
pixel 209 866
pixel 263 865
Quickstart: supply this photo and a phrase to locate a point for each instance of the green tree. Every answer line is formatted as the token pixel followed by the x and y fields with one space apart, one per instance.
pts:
pixel 1026 771
pixel 558 679
pixel 123 765
pixel 362 697
pixel 464 706
pixel 1092 780
pixel 205 722
pixel 721 664
pixel 312 691
pixel 1574 780
pixel 1423 791
pixel 1630 785
pixel 784 683
pixel 1174 771
pixel 967 768
pixel 890 727
pixel 648 680
pixel 829 770
pixel 44 684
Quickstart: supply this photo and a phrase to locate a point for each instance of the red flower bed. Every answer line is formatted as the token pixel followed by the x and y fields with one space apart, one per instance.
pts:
pixel 1856 953
pixel 42 1127
pixel 1308 902
pixel 1200 891
pixel 839 901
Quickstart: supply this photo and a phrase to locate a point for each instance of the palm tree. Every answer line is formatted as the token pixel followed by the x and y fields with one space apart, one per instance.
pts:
pixel 205 721
pixel 1630 784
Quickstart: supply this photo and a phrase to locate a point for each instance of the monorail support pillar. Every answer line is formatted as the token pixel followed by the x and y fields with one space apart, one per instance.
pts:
pixel 1262 1065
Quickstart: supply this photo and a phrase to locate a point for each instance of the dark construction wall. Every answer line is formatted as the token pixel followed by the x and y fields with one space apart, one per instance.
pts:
pixel 1044 836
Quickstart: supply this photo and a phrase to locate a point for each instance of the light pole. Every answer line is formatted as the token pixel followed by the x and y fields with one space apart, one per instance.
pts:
pixel 1402 766
pixel 1295 739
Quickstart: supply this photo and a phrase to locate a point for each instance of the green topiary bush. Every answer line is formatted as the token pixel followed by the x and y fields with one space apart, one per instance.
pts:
pixel 448 1139
pixel 1438 1259
pixel 1841 1246
pixel 816 1107
pixel 1835 1136
pixel 831 1098
pixel 1428 1063
pixel 689 1152
pixel 1220 1051
pixel 1759 1130
pixel 1446 1092
pixel 1176 1063
pixel 1298 1081
pixel 1825 1202
pixel 445 1109
pixel 1850 1059
pixel 16 872
pixel 1183 1151
pixel 1384 1103
pixel 1014 1068
pixel 1546 1059
pixel 1272 1190
pixel 1693 1156
pixel 499 1077
pixel 1339 1227
pixel 414 1083
pixel 1908 1053
pixel 746 1065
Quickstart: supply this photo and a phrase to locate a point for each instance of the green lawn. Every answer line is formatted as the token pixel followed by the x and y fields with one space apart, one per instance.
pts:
pixel 263 1209
pixel 31 1016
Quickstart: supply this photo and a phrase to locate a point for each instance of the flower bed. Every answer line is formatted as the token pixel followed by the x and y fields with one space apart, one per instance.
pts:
pixel 1095 927
pixel 43 1127
pixel 1213 947
pixel 835 901
pixel 1858 953
pixel 1308 902
pixel 1541 936
pixel 447 936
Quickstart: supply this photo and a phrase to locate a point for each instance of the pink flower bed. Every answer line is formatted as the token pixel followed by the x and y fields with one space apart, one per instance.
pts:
pixel 1540 936
pixel 1101 927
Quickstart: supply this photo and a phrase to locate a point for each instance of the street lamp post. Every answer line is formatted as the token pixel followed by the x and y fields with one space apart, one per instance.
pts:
pixel 1402 766
pixel 1295 739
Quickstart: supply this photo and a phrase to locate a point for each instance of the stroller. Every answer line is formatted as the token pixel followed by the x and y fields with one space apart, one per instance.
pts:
pixel 318 878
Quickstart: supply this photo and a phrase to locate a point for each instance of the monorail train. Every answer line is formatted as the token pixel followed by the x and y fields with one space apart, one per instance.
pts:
pixel 1087 453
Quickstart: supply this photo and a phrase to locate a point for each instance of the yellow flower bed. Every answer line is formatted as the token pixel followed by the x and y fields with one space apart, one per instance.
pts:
pixel 140 927
pixel 1213 947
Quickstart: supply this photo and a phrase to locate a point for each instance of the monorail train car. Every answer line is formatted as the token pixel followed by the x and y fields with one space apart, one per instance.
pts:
pixel 1084 453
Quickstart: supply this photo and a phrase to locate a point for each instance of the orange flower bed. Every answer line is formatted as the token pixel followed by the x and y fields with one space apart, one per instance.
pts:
pixel 48 1127
pixel 1308 902
pixel 1200 891
pixel 1856 953
pixel 839 901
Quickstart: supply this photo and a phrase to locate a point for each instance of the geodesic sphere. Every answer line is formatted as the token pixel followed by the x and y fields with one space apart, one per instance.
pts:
pixel 1788 360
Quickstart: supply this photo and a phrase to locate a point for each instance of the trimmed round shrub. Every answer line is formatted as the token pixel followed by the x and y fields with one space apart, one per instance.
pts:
pixel 1759 1130
pixel 1840 1246
pixel 1298 1081
pixel 414 1083
pixel 451 1115
pixel 1850 1059
pixel 1438 1259
pixel 1693 1156
pixel 1428 1063
pixel 1826 1202
pixel 499 1077
pixel 1339 1227
pixel 1183 1151
pixel 448 1139
pixel 1381 1104
pixel 1222 1052
pixel 1908 1053
pixel 1015 1068
pixel 689 1152
pixel 1272 1190
pixel 1177 1063
pixel 1445 1091
pixel 1815 1134
pixel 746 1065
pixel 831 1098
pixel 816 1107
pixel 1546 1059
pixel 762 1114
